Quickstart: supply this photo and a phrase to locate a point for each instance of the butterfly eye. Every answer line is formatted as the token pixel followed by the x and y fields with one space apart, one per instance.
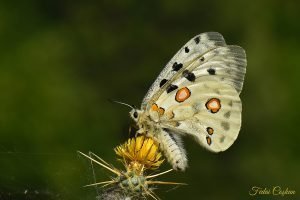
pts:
pixel 135 114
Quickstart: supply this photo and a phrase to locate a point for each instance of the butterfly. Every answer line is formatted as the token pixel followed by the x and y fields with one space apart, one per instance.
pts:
pixel 196 94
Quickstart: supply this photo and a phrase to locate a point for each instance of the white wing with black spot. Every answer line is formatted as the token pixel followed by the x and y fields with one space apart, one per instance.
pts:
pixel 196 47
pixel 211 57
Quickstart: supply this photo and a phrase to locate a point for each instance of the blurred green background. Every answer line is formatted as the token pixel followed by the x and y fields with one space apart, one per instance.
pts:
pixel 61 60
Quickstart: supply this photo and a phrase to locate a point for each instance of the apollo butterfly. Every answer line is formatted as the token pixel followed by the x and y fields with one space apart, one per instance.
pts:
pixel 196 94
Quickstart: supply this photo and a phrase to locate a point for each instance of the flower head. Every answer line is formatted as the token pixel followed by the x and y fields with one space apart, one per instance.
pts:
pixel 139 155
pixel 140 152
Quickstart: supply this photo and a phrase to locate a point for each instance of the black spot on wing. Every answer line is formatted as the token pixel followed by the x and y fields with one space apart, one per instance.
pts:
pixel 171 88
pixel 197 40
pixel 177 66
pixel 162 82
pixel 186 50
pixel 211 71
pixel 189 75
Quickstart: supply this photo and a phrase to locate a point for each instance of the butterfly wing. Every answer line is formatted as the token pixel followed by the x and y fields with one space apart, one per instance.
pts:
pixel 210 112
pixel 205 54
pixel 201 96
pixel 198 45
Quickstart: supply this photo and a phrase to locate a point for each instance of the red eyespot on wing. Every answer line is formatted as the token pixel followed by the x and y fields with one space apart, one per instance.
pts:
pixel 182 94
pixel 213 105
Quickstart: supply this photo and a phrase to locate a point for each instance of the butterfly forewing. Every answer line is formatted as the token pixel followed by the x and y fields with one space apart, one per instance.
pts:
pixel 224 64
pixel 228 64
pixel 198 45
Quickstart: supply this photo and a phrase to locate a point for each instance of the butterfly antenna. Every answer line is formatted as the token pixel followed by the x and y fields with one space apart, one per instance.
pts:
pixel 122 103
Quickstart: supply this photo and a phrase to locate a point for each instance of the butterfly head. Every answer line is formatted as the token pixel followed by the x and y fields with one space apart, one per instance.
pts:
pixel 134 114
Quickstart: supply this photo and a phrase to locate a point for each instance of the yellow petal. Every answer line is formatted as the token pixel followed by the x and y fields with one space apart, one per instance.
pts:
pixel 142 150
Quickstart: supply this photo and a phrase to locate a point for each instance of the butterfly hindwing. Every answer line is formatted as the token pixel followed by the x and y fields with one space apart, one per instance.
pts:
pixel 208 110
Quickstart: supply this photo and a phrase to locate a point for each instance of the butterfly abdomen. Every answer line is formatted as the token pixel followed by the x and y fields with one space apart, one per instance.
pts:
pixel 172 147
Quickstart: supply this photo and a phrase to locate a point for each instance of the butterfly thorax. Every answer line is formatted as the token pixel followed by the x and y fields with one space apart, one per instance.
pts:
pixel 145 122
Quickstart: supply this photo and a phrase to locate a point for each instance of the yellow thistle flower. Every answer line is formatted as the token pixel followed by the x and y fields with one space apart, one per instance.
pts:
pixel 139 155
pixel 140 152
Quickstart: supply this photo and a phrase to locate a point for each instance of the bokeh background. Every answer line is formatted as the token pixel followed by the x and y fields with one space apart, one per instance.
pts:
pixel 60 62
